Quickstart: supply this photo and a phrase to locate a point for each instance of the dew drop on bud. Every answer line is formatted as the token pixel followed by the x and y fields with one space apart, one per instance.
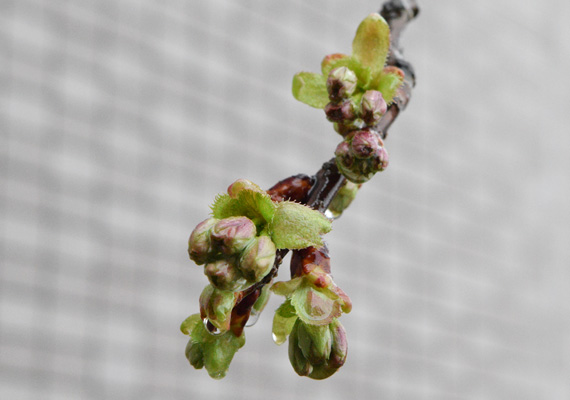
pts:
pixel 212 330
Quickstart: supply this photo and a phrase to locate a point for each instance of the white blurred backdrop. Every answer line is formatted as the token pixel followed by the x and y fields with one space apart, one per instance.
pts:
pixel 121 120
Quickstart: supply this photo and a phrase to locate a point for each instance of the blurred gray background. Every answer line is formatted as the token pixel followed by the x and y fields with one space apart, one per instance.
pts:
pixel 121 120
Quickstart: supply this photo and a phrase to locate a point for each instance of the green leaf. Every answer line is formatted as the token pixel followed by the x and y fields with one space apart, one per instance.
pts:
pixel 327 65
pixel 389 83
pixel 283 322
pixel 314 307
pixel 296 226
pixel 372 43
pixel 189 323
pixel 310 88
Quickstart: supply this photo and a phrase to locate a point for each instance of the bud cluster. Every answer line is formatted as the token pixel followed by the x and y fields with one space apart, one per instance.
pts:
pixel 355 115
pixel 233 255
pixel 361 155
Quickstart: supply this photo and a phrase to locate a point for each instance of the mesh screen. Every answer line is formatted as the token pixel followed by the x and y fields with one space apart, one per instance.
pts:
pixel 120 121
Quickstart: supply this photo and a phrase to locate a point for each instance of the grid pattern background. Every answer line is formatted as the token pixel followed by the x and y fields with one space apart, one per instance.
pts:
pixel 120 121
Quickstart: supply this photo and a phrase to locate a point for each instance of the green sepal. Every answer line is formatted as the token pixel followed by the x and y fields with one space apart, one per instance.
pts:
pixel 315 307
pixel 310 88
pixel 283 322
pixel 296 226
pixel 372 43
pixel 388 85
pixel 215 352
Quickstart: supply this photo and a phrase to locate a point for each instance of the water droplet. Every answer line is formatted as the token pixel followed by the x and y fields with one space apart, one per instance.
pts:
pixel 210 327
pixel 329 214
pixel 253 317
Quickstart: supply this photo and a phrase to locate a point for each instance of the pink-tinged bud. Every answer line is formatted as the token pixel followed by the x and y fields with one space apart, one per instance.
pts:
pixel 224 275
pixel 364 144
pixel 200 244
pixel 257 259
pixel 242 184
pixel 233 234
pixel 372 107
pixel 340 112
pixel 343 153
pixel 361 155
pixel 341 83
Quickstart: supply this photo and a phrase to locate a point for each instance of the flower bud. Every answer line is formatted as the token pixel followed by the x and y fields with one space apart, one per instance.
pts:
pixel 299 362
pixel 315 342
pixel 343 198
pixel 257 259
pixel 194 354
pixel 341 83
pixel 364 144
pixel 200 244
pixel 372 107
pixel 242 184
pixel 361 155
pixel 216 305
pixel 340 112
pixel 225 276
pixel 233 234
pixel 339 348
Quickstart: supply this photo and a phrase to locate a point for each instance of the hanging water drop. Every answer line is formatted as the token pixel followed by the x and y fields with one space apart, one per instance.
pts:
pixel 253 317
pixel 212 330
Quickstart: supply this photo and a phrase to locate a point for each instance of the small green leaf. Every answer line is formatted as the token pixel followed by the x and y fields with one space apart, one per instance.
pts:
pixel 327 64
pixel 372 43
pixel 296 226
pixel 189 323
pixel 389 83
pixel 314 307
pixel 255 205
pixel 311 89
pixel 283 322
pixel 224 206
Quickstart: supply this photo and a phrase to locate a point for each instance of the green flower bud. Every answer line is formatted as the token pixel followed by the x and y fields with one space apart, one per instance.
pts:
pixel 195 354
pixel 299 362
pixel 223 275
pixel 372 107
pixel 315 342
pixel 200 244
pixel 341 83
pixel 257 259
pixel 233 234
pixel 339 348
pixel 343 198
pixel 216 305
